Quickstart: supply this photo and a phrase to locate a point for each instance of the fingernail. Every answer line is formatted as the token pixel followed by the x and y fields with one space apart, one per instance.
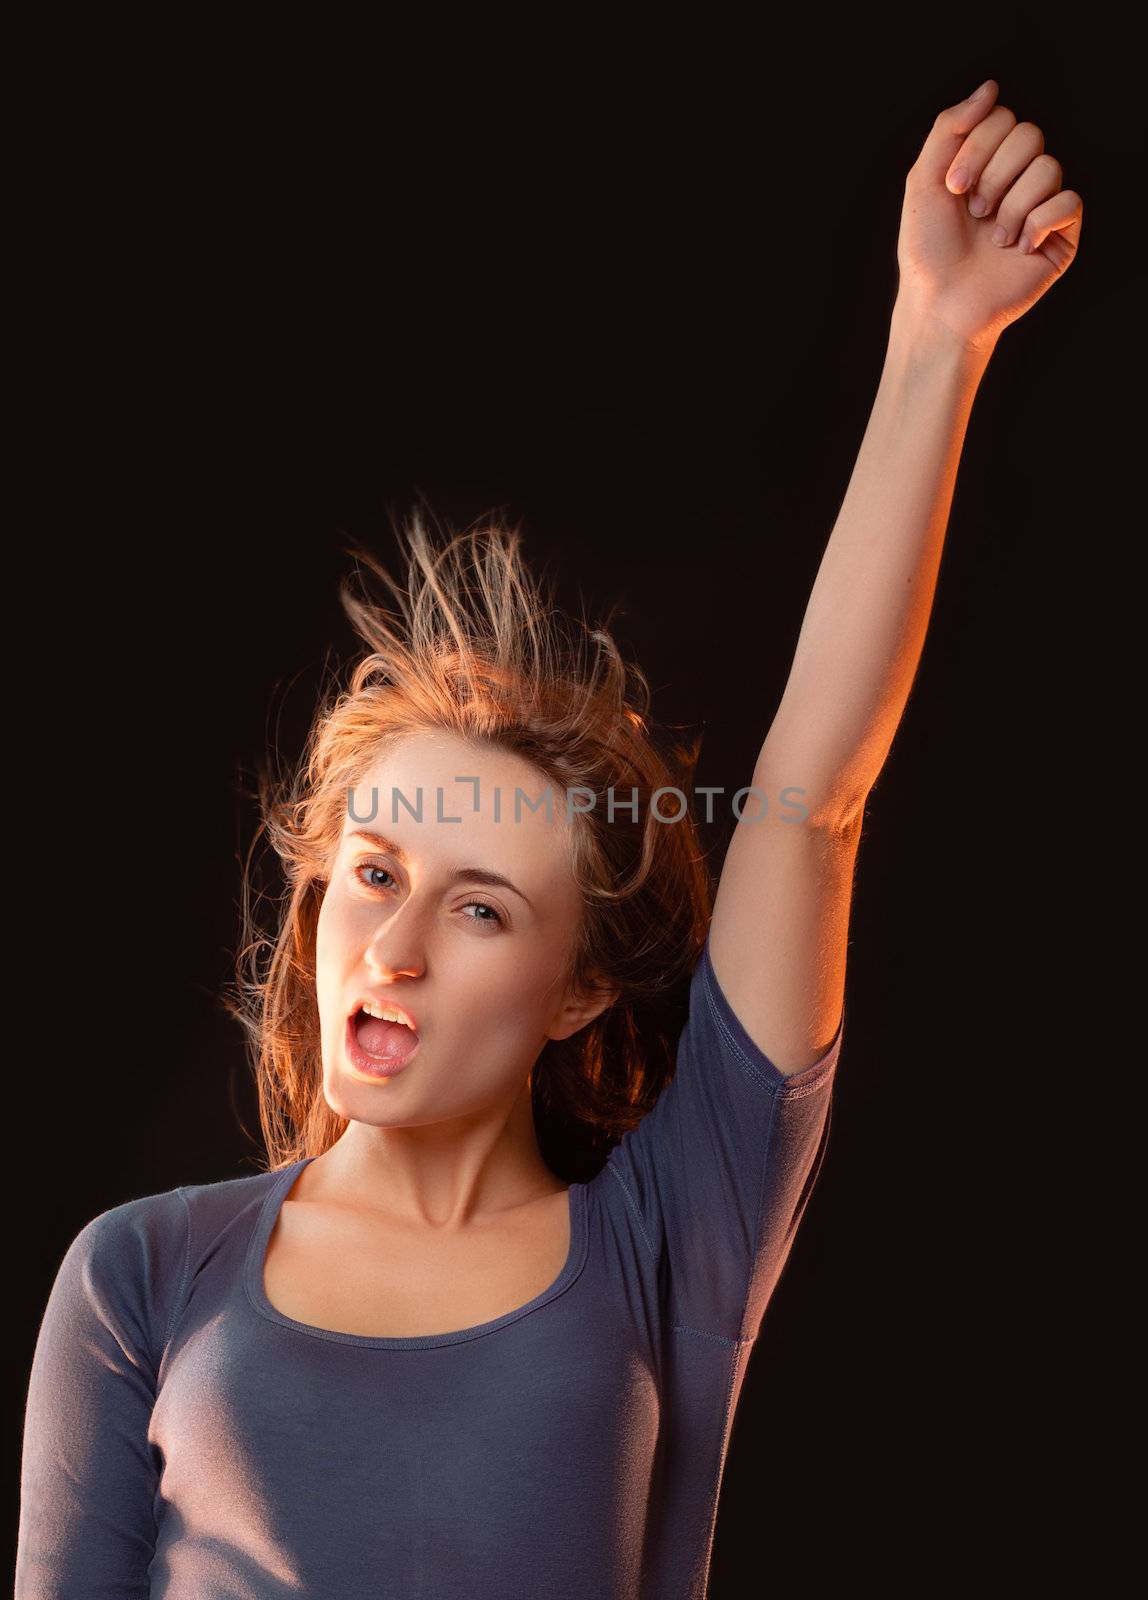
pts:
pixel 959 179
pixel 1000 234
pixel 976 94
pixel 978 205
pixel 1024 244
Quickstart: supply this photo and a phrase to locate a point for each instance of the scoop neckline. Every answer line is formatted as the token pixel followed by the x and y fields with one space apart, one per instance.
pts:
pixel 257 1258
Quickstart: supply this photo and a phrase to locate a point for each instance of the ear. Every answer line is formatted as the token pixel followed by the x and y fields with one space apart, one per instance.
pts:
pixel 579 1009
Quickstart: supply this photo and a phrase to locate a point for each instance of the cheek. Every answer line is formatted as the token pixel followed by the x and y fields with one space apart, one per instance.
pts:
pixel 511 992
pixel 333 935
pixel 323 931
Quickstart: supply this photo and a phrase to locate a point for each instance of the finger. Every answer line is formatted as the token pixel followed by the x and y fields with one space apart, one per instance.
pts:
pixel 977 150
pixel 1054 228
pixel 951 126
pixel 1041 178
pixel 1021 146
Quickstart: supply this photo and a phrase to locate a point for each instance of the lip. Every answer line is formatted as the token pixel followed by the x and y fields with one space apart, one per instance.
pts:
pixel 362 1065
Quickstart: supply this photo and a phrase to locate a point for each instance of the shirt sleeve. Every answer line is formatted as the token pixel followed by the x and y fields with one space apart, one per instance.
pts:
pixel 719 1172
pixel 89 1474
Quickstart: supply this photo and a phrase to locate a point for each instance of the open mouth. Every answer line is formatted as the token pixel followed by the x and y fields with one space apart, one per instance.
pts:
pixel 376 1047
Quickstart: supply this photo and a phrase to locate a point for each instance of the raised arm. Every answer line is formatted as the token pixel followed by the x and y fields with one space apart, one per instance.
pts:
pixel 780 923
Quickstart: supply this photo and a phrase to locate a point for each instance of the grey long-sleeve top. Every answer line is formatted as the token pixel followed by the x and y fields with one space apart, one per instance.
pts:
pixel 184 1440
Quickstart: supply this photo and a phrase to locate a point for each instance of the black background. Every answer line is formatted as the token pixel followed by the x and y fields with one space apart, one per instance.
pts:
pixel 633 293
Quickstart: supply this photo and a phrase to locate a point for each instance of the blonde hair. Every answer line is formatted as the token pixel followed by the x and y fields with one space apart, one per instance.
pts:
pixel 478 649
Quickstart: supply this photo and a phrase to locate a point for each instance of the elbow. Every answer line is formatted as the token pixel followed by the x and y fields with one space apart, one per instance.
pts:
pixel 833 806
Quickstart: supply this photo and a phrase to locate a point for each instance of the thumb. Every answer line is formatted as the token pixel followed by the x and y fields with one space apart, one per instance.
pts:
pixel 949 131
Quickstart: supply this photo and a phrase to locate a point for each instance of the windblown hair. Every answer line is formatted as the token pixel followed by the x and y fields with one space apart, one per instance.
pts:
pixel 478 649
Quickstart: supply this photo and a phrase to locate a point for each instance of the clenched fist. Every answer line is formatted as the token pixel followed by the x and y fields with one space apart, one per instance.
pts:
pixel 985 226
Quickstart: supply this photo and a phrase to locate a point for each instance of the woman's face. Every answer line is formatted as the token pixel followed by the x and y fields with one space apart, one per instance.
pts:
pixel 478 966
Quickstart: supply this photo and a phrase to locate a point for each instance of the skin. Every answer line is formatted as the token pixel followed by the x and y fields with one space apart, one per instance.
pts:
pixel 450 1138
pixel 986 230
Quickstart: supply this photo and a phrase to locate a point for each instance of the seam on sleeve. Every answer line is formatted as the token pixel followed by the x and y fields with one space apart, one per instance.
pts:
pixel 765 1164
pixel 178 1304
pixel 701 1333
pixel 785 1090
pixel 637 1213
pixel 723 1437
pixel 740 1056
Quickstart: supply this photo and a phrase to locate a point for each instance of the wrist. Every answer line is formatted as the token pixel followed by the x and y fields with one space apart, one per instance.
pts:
pixel 917 332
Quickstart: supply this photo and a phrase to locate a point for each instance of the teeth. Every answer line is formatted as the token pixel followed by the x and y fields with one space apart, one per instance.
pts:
pixel 383 1013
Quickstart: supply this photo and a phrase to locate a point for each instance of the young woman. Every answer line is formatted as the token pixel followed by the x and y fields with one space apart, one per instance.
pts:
pixel 481 1326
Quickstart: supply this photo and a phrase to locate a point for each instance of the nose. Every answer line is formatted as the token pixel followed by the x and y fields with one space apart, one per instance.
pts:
pixel 388 970
pixel 396 952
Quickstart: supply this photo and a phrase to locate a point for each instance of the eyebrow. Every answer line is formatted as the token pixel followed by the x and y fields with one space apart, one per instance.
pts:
pixel 494 880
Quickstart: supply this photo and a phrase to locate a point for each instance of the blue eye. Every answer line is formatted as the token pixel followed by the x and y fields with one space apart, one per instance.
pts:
pixel 482 906
pixel 495 917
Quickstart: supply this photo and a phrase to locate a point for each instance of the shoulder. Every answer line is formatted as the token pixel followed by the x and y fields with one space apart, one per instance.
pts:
pixel 214 1209
pixel 139 1229
pixel 229 1197
pixel 134 1261
pixel 153 1222
pixel 121 1277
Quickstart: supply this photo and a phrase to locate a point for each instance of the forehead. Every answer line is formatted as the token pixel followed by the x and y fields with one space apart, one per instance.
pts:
pixel 444 799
